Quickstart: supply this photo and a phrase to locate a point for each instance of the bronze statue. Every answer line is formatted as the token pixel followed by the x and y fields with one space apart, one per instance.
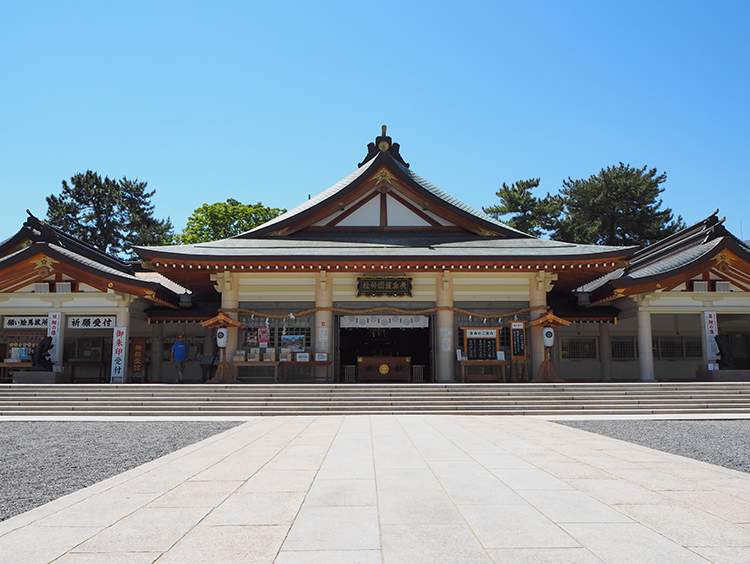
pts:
pixel 40 356
pixel 725 353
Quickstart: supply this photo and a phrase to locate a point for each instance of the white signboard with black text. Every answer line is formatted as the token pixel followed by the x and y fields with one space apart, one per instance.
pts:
pixel 91 321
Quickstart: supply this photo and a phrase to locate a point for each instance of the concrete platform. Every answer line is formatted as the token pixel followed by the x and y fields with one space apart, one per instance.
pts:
pixel 398 489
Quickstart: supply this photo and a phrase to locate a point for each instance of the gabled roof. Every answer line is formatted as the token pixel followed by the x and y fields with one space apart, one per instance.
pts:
pixel 672 260
pixel 35 230
pixel 328 202
pixel 39 250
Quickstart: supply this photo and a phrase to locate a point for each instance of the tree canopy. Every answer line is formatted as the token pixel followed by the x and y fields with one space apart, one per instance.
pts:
pixel 221 220
pixel 112 215
pixel 533 215
pixel 618 206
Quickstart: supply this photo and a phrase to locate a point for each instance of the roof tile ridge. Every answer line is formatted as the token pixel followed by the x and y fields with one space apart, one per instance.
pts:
pixel 690 231
pixel 307 204
pixel 83 258
pixel 705 246
pixel 426 184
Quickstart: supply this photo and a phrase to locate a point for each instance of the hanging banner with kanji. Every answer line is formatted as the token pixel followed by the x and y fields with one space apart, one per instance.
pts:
pixel 712 330
pixel 119 340
pixel 54 325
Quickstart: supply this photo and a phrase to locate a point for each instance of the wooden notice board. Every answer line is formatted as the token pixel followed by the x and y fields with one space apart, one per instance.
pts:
pixel 481 343
pixel 518 340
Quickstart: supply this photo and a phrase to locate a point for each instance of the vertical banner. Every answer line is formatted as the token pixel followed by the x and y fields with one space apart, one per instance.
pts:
pixel 712 330
pixel 54 324
pixel 137 356
pixel 120 337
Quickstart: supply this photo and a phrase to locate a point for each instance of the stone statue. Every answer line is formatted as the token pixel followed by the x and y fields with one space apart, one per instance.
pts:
pixel 40 356
pixel 725 353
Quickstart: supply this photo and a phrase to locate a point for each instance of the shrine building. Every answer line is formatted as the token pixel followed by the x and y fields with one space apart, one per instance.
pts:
pixel 383 277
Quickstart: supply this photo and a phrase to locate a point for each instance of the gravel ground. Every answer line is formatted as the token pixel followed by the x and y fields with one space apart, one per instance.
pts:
pixel 43 460
pixel 721 442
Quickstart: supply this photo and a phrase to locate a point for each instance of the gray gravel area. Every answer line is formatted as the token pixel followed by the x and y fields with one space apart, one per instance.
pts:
pixel 41 461
pixel 722 442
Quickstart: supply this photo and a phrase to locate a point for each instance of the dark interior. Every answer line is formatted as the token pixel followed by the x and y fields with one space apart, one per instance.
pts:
pixel 413 342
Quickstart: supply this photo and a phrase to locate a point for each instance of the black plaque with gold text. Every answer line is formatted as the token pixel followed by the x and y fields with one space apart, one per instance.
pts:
pixel 384 286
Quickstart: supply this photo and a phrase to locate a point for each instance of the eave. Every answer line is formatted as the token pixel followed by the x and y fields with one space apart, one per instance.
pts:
pixel 196 274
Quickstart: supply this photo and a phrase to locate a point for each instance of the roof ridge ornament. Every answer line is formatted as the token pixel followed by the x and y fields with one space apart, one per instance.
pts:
pixel 383 144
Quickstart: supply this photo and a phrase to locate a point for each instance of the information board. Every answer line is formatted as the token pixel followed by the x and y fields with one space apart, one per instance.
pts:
pixel 518 340
pixel 481 343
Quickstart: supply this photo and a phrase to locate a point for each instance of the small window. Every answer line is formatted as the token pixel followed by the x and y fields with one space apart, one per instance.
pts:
pixel 723 286
pixel 578 348
pixel 700 286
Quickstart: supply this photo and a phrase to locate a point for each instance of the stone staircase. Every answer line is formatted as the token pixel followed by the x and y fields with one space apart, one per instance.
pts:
pixel 241 400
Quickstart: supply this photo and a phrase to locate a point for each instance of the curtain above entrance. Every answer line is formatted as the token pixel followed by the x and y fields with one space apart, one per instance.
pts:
pixel 384 321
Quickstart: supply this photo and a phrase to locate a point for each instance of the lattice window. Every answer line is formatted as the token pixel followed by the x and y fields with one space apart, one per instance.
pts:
pixel 623 348
pixel 578 348
pixel 693 347
pixel 670 348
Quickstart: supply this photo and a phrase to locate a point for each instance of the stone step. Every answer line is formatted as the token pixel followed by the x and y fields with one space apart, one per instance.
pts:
pixel 319 399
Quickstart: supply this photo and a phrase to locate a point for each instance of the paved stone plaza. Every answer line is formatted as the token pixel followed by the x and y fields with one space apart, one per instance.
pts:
pixel 397 489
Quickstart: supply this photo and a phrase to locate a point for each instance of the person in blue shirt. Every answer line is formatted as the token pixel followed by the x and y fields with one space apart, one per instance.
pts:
pixel 179 353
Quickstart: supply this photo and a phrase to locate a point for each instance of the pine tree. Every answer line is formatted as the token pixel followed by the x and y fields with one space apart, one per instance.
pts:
pixel 535 216
pixel 111 215
pixel 618 206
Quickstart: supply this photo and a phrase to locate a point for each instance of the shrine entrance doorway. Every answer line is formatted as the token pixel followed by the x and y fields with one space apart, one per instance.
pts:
pixel 383 353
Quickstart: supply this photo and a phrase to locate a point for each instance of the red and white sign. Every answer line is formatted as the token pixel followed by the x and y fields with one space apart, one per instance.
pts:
pixel 54 324
pixel 712 330
pixel 119 342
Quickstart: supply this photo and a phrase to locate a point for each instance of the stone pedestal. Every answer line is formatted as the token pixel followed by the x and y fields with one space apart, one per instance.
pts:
pixel 722 375
pixel 31 377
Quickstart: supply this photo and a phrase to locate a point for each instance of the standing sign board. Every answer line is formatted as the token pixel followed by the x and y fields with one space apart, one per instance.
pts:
pixel 481 343
pixel 54 324
pixel 518 346
pixel 118 355
pixel 518 340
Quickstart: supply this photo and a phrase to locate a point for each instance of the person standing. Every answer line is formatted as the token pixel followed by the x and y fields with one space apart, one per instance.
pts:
pixel 179 353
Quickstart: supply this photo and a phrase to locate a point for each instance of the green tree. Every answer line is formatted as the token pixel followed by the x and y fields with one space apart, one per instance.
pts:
pixel 533 215
pixel 618 206
pixel 111 215
pixel 221 220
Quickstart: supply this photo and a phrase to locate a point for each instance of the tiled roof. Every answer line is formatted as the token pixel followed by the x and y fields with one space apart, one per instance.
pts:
pixel 668 257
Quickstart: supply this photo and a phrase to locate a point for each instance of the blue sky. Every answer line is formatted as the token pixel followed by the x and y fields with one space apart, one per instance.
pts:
pixel 271 101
